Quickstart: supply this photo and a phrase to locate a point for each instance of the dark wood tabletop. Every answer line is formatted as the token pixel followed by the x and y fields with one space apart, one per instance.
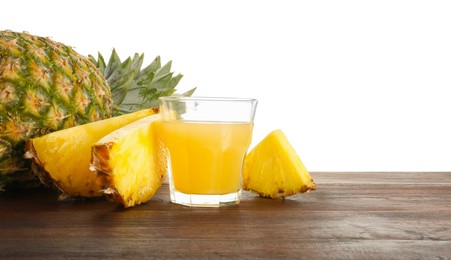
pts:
pixel 367 215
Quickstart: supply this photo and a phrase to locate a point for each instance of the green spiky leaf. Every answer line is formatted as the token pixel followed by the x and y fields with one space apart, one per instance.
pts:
pixel 134 88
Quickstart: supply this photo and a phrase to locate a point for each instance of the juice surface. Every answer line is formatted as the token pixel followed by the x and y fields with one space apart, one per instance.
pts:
pixel 206 157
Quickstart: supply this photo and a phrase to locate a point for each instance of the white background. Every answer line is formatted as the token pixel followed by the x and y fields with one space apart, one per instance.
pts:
pixel 355 85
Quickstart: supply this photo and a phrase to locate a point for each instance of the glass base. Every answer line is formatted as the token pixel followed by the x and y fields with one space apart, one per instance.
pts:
pixel 196 200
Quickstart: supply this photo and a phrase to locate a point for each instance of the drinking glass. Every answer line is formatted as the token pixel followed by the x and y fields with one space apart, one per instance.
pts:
pixel 207 139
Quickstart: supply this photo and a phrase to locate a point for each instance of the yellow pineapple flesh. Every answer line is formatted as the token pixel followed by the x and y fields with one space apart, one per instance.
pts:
pixel 273 169
pixel 61 159
pixel 131 162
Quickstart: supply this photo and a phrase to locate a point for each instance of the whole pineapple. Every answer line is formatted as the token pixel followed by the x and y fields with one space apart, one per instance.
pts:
pixel 46 86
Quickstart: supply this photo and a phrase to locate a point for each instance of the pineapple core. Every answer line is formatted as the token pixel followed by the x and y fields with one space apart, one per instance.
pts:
pixel 273 169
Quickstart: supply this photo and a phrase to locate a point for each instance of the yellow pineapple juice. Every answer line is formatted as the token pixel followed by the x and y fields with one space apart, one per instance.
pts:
pixel 206 140
pixel 206 157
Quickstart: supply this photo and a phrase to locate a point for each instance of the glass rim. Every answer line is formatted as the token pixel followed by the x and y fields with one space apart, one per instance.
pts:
pixel 206 98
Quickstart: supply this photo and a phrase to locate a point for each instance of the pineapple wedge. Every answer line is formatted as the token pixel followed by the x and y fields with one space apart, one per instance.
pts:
pixel 61 159
pixel 130 162
pixel 273 169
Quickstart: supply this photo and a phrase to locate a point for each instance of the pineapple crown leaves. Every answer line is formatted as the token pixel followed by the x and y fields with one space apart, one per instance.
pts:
pixel 134 88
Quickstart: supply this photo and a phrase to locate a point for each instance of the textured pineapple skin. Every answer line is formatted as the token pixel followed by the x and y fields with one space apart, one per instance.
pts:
pixel 273 169
pixel 44 86
pixel 62 159
pixel 131 163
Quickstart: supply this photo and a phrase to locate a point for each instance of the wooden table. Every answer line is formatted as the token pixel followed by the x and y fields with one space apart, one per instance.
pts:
pixel 349 216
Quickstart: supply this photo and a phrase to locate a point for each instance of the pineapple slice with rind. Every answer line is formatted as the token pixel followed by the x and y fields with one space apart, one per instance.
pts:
pixel 131 162
pixel 273 169
pixel 61 159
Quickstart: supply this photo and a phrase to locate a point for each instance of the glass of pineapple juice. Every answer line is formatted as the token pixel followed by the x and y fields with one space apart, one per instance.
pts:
pixel 206 139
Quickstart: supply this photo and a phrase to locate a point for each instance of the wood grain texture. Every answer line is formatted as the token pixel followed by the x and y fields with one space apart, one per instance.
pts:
pixel 350 216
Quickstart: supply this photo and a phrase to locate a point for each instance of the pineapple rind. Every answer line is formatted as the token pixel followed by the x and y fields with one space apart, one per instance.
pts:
pixel 61 159
pixel 130 162
pixel 273 169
